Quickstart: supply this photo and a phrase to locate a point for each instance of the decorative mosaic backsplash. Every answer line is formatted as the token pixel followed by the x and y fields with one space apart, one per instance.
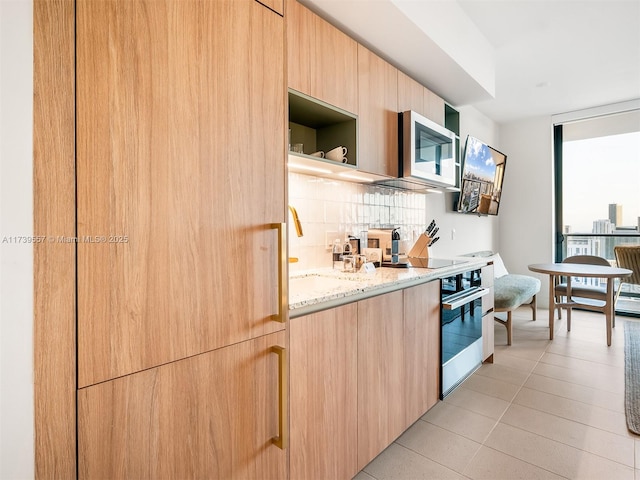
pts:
pixel 330 209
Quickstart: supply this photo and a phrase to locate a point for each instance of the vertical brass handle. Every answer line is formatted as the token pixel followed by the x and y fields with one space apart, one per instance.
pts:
pixel 283 261
pixel 282 440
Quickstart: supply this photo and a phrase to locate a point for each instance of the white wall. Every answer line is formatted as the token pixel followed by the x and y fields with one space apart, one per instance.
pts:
pixel 527 206
pixel 345 208
pixel 16 260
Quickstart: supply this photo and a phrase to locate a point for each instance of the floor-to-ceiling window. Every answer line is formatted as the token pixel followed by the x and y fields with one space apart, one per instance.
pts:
pixel 598 190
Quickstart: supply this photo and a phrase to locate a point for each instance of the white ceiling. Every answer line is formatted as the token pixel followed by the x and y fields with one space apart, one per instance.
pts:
pixel 511 59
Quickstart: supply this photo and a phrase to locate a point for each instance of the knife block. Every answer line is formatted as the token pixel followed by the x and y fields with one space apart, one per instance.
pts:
pixel 421 248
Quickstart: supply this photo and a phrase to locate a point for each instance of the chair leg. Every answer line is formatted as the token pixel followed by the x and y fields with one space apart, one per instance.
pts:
pixel 507 324
pixel 534 307
pixel 615 300
pixel 568 319
pixel 559 308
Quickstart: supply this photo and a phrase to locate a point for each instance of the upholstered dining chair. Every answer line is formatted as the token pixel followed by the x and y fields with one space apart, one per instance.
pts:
pixel 579 292
pixel 628 256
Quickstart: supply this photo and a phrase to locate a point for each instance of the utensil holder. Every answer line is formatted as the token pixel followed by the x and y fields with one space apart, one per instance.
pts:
pixel 421 248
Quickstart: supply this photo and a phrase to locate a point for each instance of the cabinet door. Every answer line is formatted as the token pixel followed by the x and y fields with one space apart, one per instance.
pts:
pixel 414 96
pixel 434 107
pixel 209 416
pixel 180 171
pixel 378 114
pixel 334 67
pixel 421 349
pixel 381 416
pixel 300 46
pixel 410 94
pixel 323 394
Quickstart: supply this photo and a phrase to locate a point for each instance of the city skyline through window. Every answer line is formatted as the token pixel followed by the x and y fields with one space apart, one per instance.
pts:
pixel 598 172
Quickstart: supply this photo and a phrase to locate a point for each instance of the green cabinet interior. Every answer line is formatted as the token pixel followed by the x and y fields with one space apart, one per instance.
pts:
pixel 452 122
pixel 320 126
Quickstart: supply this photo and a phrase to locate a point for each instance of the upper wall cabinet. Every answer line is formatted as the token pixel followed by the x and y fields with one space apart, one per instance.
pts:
pixel 322 61
pixel 410 94
pixel 275 5
pixel 300 41
pixel 434 107
pixel 378 114
pixel 413 96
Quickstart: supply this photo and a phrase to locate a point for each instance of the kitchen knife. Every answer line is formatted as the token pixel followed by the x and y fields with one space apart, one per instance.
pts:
pixel 430 227
pixel 435 230
pixel 433 241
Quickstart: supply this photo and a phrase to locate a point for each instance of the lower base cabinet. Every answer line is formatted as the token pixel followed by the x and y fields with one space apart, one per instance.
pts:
pixel 360 375
pixel 323 382
pixel 381 413
pixel 210 416
pixel 421 349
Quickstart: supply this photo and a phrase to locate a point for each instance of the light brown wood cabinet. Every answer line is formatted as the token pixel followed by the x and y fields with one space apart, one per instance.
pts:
pixel 301 36
pixel 180 172
pixel 488 340
pixel 421 349
pixel 414 96
pixel 213 416
pixel 322 61
pixel 410 94
pixel 361 374
pixel 180 203
pixel 434 107
pixel 381 411
pixel 378 114
pixel 323 383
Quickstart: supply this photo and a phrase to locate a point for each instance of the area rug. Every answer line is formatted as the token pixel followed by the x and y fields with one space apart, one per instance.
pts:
pixel 632 374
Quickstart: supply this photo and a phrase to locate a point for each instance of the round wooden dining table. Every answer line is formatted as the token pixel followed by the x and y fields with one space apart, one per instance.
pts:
pixel 579 270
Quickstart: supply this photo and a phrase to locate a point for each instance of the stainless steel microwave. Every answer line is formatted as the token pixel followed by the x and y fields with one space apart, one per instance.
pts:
pixel 427 151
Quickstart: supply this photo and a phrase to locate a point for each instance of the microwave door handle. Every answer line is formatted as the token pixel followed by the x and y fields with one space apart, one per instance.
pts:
pixel 458 302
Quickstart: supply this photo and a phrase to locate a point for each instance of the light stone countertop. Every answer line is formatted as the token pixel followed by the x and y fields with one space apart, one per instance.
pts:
pixel 319 289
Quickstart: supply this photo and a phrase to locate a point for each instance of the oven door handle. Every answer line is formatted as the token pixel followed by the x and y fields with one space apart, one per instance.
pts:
pixel 458 302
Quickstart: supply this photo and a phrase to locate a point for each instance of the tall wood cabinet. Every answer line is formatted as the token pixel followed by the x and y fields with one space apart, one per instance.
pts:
pixel 180 199
pixel 378 114
pixel 208 416
pixel 180 172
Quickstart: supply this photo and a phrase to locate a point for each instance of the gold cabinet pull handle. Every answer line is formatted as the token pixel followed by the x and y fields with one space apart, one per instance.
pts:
pixel 283 263
pixel 282 440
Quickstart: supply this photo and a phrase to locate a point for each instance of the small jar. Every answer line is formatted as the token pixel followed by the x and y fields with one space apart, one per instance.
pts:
pixel 349 262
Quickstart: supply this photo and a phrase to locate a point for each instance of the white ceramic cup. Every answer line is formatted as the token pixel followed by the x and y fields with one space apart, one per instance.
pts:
pixel 337 154
pixel 319 154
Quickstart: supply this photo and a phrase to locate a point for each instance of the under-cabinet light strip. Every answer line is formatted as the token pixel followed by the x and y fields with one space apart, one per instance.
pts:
pixel 311 169
pixel 355 177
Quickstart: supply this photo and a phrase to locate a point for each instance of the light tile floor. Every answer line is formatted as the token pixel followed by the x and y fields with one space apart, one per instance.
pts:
pixel 544 409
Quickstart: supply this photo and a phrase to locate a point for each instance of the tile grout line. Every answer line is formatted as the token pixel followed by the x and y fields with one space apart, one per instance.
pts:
pixel 484 440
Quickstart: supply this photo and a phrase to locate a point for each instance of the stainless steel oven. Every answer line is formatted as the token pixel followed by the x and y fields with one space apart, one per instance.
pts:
pixel 461 329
